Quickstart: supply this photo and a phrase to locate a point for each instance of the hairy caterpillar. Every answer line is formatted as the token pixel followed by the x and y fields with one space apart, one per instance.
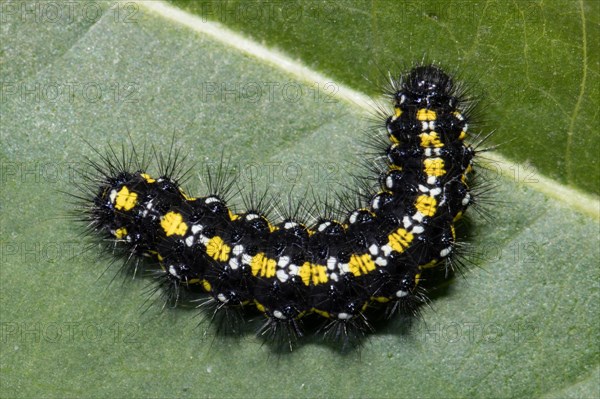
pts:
pixel 338 271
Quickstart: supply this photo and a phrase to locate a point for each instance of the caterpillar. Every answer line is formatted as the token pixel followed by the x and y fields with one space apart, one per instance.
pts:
pixel 335 270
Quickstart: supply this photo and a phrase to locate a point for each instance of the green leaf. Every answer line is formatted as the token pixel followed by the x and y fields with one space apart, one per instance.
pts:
pixel 536 64
pixel 523 323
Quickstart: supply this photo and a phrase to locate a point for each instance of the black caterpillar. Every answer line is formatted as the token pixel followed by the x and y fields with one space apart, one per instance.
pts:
pixel 335 270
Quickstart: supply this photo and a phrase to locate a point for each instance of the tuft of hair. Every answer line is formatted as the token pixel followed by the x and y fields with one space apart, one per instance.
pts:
pixel 227 320
pixel 282 334
pixel 219 180
pixel 347 335
pixel 294 209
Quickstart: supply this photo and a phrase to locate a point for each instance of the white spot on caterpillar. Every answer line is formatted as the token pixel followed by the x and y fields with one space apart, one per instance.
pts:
pixel 389 182
pixel 148 208
pixel 293 270
pixel 406 222
pixel 283 261
pixel 331 263
pixel 252 216
pixel 246 259
pixel 334 277
pixel 323 226
pixel 418 229
pixel 222 298
pixel 387 250
pixel 173 271
pixel 113 196
pixel 344 316
pixel 290 225
pixel 238 250
pixel 431 180
pixel 196 228
pixel 435 191
pixel 466 199
pixel 204 239
pixel 401 294
pixel 282 275
pixel 189 241
pixel 234 264
pixel 373 249
pixel 210 200
pixel 418 216
pixel 445 252
pixel 381 261
pixel 279 315
pixel 375 203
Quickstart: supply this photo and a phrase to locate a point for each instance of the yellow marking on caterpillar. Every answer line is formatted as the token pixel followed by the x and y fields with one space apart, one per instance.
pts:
pixel 426 205
pixel 313 273
pixel 430 139
pixel 380 299
pixel 434 167
pixel 322 313
pixel 126 199
pixel 319 274
pixel 259 306
pixel 453 231
pixel 395 167
pixel 400 239
pixel 304 273
pixel 462 135
pixel 172 223
pixel 148 178
pixel 429 264
pixel 187 197
pixel 120 233
pixel 361 264
pixel 393 139
pixel 158 256
pixel 193 281
pixel 417 278
pixel 397 112
pixel 217 249
pixel 206 285
pixel 233 216
pixel 426 115
pixel 458 216
pixel 263 266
